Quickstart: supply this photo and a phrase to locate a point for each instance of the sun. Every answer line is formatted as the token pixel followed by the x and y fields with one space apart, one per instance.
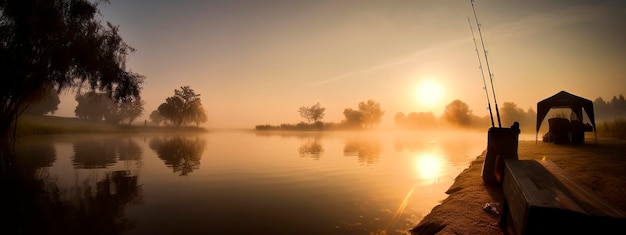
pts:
pixel 429 93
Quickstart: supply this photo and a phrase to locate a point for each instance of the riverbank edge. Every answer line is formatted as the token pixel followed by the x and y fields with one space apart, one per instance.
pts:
pixel 597 165
pixel 464 205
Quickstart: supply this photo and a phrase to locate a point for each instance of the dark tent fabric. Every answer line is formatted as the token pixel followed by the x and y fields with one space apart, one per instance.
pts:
pixel 564 99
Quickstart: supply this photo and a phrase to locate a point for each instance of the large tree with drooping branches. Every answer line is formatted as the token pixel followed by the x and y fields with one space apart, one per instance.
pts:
pixel 183 108
pixel 59 43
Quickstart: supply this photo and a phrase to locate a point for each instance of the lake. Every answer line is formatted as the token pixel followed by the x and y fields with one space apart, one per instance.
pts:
pixel 234 182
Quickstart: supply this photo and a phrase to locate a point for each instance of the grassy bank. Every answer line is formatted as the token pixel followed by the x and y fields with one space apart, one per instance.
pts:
pixel 48 125
pixel 613 129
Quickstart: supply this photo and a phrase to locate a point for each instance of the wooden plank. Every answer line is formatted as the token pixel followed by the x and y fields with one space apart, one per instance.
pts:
pixel 542 199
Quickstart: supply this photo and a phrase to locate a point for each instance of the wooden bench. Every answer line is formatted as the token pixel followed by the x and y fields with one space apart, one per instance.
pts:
pixel 541 199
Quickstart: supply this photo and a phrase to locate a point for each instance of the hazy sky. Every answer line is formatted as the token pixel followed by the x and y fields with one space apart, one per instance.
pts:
pixel 257 61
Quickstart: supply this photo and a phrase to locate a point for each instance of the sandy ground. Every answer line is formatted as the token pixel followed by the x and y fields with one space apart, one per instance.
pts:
pixel 601 167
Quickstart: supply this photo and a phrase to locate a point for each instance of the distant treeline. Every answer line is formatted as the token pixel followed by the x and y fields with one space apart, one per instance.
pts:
pixel 303 126
pixel 457 114
pixel 609 110
pixel 367 116
pixel 300 127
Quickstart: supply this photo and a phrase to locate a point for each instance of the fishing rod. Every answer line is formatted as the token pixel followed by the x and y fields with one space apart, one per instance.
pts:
pixel 493 91
pixel 482 72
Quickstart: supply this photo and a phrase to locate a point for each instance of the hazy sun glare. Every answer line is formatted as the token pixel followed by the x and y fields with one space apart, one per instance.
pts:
pixel 429 93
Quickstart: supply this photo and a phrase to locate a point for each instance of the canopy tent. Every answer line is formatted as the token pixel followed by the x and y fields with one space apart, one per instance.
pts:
pixel 564 99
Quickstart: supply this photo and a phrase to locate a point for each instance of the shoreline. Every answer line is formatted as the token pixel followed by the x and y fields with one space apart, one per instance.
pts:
pixel 597 166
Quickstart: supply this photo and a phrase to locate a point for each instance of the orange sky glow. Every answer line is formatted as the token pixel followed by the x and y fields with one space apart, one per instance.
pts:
pixel 257 62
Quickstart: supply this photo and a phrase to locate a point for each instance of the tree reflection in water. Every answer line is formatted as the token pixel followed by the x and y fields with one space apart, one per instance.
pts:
pixel 180 153
pixel 34 154
pixel 104 209
pixel 366 150
pixel 100 153
pixel 34 203
pixel 311 148
pixel 40 206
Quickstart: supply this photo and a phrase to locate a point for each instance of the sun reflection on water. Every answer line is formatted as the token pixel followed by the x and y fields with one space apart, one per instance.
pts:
pixel 428 165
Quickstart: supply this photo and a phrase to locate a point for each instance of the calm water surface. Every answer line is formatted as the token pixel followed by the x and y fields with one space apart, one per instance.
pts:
pixel 236 182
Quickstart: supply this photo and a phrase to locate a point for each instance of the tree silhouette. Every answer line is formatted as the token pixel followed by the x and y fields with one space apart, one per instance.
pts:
pixel 155 117
pixel 511 113
pixel 312 114
pixel 458 112
pixel 182 108
pixel 421 120
pixel 96 106
pixel 45 100
pixel 62 44
pixel 92 106
pixel 125 111
pixel 368 115
pixel 197 115
pixel 371 113
pixel 354 118
pixel 606 110
pixel 601 108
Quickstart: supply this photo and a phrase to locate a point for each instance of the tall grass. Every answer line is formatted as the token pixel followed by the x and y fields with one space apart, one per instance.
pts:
pixel 613 129
pixel 46 125
pixel 49 125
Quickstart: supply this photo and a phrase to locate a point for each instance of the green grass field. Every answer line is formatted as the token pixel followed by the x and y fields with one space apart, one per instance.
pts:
pixel 48 125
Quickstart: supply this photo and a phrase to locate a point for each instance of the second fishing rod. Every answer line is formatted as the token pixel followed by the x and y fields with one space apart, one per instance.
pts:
pixel 493 91
pixel 482 73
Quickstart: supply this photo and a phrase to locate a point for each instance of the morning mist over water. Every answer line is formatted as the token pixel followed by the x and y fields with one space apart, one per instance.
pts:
pixel 151 71
pixel 233 182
